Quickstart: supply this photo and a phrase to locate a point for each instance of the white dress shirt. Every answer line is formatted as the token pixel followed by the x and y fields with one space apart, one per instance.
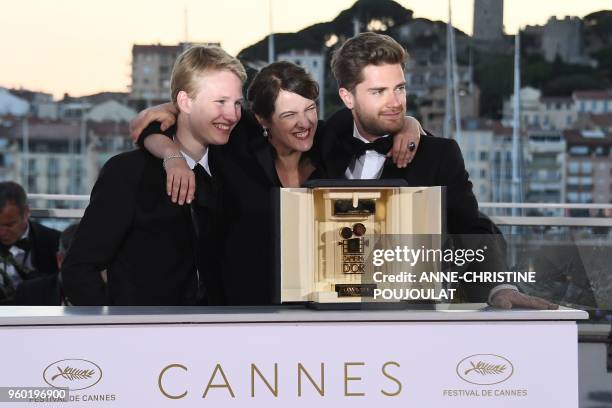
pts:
pixel 203 161
pixel 367 166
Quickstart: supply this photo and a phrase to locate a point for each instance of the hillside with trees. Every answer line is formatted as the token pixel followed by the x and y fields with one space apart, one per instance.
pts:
pixel 493 69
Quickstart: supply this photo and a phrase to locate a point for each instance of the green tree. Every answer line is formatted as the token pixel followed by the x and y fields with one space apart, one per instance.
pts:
pixel 600 25
pixel 565 85
pixel 385 13
pixel 494 74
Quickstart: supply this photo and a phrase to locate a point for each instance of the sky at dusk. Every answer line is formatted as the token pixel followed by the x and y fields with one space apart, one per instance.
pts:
pixel 84 46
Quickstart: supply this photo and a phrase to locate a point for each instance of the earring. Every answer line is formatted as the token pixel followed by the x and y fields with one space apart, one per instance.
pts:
pixel 265 132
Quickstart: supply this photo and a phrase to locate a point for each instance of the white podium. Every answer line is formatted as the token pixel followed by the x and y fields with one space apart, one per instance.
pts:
pixel 453 356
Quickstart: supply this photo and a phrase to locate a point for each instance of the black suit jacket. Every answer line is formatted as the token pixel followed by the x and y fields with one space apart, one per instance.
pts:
pixel 247 174
pixel 132 229
pixel 44 243
pixel 437 162
pixel 40 287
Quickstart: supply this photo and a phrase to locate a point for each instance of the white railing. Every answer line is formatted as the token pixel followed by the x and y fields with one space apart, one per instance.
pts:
pixel 60 213
pixel 568 206
pixel 499 220
pixel 552 221
pixel 58 197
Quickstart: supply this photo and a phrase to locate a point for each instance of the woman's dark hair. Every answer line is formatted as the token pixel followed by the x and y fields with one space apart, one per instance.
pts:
pixel 270 80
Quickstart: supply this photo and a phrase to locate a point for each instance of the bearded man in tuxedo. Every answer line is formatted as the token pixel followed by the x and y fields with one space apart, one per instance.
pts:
pixel 369 69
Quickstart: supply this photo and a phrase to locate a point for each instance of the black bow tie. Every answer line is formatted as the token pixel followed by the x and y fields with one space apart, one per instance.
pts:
pixel 381 145
pixel 23 244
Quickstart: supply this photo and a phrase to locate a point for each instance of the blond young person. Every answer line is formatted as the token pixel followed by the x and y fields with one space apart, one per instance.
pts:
pixel 131 227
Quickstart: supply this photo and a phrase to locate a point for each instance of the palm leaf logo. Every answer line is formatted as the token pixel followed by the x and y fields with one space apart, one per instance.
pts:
pixel 484 368
pixel 72 374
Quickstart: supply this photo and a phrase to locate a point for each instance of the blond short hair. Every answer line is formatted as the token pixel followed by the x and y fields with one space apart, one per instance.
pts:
pixel 196 61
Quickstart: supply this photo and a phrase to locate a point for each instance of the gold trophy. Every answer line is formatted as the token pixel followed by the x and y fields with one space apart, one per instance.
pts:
pixel 328 232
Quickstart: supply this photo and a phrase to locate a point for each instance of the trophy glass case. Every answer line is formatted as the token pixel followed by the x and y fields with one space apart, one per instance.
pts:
pixel 327 233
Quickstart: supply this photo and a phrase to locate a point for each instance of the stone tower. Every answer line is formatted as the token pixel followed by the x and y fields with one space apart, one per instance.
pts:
pixel 488 19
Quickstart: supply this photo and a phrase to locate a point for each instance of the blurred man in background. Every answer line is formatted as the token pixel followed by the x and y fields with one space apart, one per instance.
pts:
pixel 47 290
pixel 27 248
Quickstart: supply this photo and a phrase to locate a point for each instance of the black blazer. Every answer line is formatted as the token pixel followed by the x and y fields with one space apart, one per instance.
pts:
pixel 437 162
pixel 247 174
pixel 44 243
pixel 132 229
pixel 40 288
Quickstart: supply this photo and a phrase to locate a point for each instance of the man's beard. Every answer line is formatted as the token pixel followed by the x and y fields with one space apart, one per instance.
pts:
pixel 373 125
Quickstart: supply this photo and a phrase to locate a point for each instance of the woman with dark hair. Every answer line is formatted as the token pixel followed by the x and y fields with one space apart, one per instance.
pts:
pixel 283 99
pixel 272 147
pixel 270 151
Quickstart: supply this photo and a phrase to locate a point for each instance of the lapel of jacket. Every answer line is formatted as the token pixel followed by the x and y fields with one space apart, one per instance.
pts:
pixel 263 154
pixel 338 154
pixel 339 158
pixel 32 235
pixel 390 170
